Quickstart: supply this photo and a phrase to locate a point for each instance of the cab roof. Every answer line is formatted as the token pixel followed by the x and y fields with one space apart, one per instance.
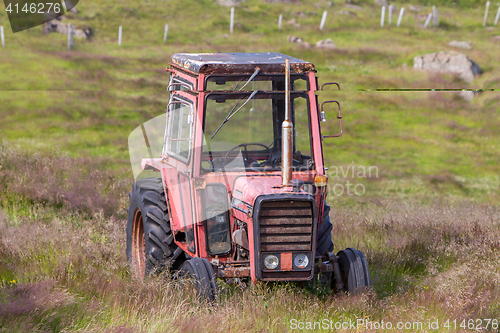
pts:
pixel 238 63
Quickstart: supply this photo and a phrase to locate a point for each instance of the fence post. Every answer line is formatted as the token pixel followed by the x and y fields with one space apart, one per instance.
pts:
pixel 428 20
pixel 498 16
pixel 382 16
pixel 435 16
pixel 231 22
pixel 401 12
pixel 71 36
pixel 165 34
pixel 391 6
pixel 323 20
pixel 486 13
pixel 280 19
pixel 120 36
pixel 3 36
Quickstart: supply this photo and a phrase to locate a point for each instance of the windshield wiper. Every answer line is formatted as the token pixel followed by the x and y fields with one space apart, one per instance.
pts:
pixel 257 70
pixel 231 113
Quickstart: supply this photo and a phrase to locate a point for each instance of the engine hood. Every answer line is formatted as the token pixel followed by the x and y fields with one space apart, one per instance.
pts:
pixel 247 189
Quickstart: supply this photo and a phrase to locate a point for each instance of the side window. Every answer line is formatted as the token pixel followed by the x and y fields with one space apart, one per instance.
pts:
pixel 179 129
pixel 179 84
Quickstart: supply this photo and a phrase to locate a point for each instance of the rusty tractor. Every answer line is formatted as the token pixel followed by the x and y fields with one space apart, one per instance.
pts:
pixel 236 188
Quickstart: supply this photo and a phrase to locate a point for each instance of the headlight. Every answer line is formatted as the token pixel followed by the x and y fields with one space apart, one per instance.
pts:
pixel 301 261
pixel 271 262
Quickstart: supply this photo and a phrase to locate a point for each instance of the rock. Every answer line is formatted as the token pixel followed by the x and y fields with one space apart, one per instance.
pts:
pixel 326 44
pixel 330 3
pixel 414 8
pixel 295 39
pixel 83 33
pixel 55 26
pixel 463 45
pixel 299 40
pixel 347 12
pixel 451 62
pixel 496 38
pixel 294 23
pixel 62 28
pixel 381 3
pixel 230 3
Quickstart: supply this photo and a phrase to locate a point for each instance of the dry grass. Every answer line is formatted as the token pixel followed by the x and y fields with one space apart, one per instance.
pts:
pixel 64 269
pixel 77 184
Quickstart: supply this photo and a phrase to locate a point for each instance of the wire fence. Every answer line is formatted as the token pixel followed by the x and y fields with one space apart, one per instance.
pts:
pixel 432 16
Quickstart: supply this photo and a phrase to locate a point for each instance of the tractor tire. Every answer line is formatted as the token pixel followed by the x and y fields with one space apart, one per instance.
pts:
pixel 150 245
pixel 354 271
pixel 324 243
pixel 199 273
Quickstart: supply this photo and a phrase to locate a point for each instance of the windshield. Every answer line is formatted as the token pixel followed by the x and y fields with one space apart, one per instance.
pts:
pixel 264 82
pixel 251 138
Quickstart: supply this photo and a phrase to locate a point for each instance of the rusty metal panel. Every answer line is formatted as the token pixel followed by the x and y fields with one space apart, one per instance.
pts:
pixel 286 226
pixel 238 63
pixel 289 276
pixel 277 247
pixel 288 204
pixel 284 220
pixel 286 261
pixel 232 272
pixel 285 238
pixel 264 229
pixel 277 235
pixel 286 212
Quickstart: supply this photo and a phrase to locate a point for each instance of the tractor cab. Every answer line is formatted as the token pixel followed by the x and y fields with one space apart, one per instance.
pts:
pixel 239 171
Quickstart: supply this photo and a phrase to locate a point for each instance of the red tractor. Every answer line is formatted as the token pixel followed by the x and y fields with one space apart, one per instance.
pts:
pixel 238 188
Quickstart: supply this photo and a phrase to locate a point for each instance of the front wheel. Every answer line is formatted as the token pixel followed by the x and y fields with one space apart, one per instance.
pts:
pixel 354 271
pixel 200 276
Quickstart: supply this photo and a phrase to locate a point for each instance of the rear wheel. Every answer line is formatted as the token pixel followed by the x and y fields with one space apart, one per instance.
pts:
pixel 199 275
pixel 150 246
pixel 324 243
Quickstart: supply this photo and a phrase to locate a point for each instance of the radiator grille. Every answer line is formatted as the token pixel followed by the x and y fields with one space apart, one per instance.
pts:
pixel 286 226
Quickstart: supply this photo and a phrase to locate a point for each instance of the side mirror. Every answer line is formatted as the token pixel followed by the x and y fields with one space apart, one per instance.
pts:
pixel 330 83
pixel 339 117
pixel 322 114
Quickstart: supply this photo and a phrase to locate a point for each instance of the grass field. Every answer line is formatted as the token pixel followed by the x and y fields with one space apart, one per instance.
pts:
pixel 428 222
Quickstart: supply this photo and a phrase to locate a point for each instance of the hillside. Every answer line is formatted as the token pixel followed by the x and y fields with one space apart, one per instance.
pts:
pixel 428 221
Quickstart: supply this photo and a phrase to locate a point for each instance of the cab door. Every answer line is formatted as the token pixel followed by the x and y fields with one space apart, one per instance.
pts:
pixel 178 155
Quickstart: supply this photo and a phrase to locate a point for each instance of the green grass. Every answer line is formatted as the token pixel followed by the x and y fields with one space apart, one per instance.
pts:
pixel 87 101
pixel 428 221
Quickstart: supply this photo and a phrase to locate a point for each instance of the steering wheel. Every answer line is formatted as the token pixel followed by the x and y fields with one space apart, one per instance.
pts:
pixel 247 159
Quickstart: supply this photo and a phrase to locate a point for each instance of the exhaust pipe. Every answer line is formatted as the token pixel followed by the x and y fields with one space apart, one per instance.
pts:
pixel 286 133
